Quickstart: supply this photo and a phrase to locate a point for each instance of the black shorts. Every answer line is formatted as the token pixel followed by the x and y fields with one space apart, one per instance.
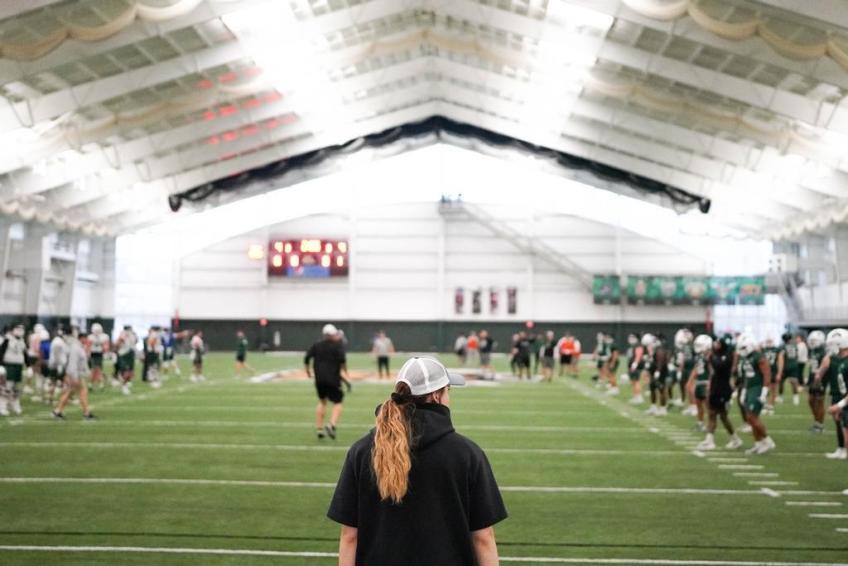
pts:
pixel 241 357
pixel 816 389
pixel 523 361
pixel 55 374
pixel 718 401
pixel 382 362
pixel 565 359
pixel 97 360
pixel 614 366
pixel 329 391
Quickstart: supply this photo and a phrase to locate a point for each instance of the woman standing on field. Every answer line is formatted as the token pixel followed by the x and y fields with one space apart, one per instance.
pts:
pixel 413 491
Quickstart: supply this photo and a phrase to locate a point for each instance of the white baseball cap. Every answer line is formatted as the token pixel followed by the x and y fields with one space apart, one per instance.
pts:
pixel 329 330
pixel 426 375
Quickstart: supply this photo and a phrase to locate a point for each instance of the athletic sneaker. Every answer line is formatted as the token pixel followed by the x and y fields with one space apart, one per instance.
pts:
pixel 677 402
pixel 330 430
pixel 817 428
pixel 652 410
pixel 28 390
pixel 706 444
pixel 766 445
pixel 612 391
pixel 734 443
pixel 637 400
pixel 662 412
pixel 755 448
pixel 155 384
pixel 780 400
pixel 746 428
pixel 690 411
pixel 16 407
pixel 699 427
pixel 320 433
pixel 125 389
pixel 4 412
pixel 57 415
pixel 838 454
pixel 768 410
pixel 89 417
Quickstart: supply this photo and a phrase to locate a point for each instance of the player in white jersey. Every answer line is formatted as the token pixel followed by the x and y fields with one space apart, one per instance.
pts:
pixel 197 350
pixel 56 363
pixel 98 346
pixel 125 345
pixel 152 357
pixel 13 358
pixel 33 375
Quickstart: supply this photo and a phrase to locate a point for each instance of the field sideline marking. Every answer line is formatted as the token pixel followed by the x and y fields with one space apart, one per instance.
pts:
pixel 307 554
pixel 828 515
pixel 324 448
pixel 329 485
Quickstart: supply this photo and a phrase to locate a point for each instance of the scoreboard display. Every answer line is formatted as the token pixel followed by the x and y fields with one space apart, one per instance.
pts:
pixel 308 259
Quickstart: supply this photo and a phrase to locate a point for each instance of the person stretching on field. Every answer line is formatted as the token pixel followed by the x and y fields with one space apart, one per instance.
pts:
pixel 328 358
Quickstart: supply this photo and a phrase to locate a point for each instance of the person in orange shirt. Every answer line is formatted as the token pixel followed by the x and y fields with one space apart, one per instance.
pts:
pixel 472 350
pixel 565 347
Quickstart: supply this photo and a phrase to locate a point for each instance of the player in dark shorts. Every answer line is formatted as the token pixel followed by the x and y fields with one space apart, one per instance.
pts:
pixel 719 393
pixel 522 355
pixel 789 368
pixel 546 354
pixel 611 365
pixel 754 368
pixel 241 354
pixel 329 360
pixel 657 359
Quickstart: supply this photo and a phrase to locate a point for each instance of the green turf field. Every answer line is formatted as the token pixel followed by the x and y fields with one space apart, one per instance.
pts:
pixel 211 473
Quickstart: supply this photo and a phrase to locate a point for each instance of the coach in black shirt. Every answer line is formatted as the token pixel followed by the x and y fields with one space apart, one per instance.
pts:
pixel 413 491
pixel 328 356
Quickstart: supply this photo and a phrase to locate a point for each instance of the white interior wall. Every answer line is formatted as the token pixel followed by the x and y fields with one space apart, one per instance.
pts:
pixel 409 269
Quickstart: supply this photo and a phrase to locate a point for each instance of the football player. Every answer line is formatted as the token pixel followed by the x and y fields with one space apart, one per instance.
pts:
pixel 98 346
pixel 815 386
pixel 755 370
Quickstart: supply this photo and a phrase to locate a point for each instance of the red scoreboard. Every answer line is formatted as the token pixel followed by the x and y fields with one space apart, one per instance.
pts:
pixel 308 258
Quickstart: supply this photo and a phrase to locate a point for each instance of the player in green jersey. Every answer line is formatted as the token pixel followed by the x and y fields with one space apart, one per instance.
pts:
pixel 685 362
pixel 831 374
pixel 241 354
pixel 815 387
pixel 789 368
pixel 635 351
pixel 699 377
pixel 754 369
pixel 772 352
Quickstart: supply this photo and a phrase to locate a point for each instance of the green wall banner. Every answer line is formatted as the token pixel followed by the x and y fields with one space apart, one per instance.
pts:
pixel 680 290
pixel 606 289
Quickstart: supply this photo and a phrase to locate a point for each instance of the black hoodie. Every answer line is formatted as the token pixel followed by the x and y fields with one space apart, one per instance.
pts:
pixel 452 492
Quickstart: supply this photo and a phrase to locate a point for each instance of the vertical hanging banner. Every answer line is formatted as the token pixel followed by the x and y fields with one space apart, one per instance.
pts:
pixel 606 289
pixel 511 300
pixel 494 299
pixel 476 301
pixel 459 300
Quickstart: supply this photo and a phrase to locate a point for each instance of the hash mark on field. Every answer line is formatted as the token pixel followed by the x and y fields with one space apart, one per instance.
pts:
pixel 756 474
pixel 770 492
pixel 814 504
pixel 728 460
pixel 740 467
pixel 772 482
pixel 828 516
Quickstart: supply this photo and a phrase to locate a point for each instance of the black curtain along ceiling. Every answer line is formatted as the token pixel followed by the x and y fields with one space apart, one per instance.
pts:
pixel 437 126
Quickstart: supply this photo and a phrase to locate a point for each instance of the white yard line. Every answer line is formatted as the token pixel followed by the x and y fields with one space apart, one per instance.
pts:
pixel 814 503
pixel 772 482
pixel 828 516
pixel 321 448
pixel 333 555
pixel 328 485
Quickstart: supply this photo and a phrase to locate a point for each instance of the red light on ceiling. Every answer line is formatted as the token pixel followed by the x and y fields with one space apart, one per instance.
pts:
pixel 209 115
pixel 213 140
pixel 229 136
pixel 249 130
pixel 272 97
pixel 251 103
pixel 227 110
pixel 271 124
pixel 205 83
pixel 227 77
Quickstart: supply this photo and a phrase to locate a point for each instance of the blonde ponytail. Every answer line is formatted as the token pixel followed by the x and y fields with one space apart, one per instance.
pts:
pixel 390 458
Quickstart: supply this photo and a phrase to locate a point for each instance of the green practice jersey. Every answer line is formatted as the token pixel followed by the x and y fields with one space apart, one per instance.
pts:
pixel 749 370
pixel 839 377
pixel 241 346
pixel 701 366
